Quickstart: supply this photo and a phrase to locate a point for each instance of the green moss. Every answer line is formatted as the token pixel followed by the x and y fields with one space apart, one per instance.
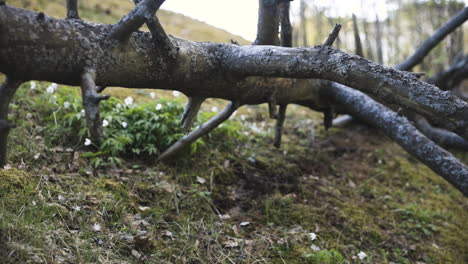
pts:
pixel 325 257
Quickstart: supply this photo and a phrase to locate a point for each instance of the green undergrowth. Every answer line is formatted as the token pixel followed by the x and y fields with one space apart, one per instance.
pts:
pixel 131 130
pixel 233 199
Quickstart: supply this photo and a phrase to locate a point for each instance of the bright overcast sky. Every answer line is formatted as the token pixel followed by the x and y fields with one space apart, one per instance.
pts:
pixel 240 16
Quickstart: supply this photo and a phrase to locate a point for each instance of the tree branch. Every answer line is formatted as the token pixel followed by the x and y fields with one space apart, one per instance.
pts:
pixel 357 39
pixel 7 92
pixel 433 40
pixel 190 113
pixel 268 23
pixel 159 36
pixel 131 22
pixel 453 76
pixel 442 137
pixel 200 131
pixel 91 100
pixel 279 125
pixel 333 35
pixel 402 131
pixel 378 39
pixel 72 9
pixel 286 28
pixel 386 84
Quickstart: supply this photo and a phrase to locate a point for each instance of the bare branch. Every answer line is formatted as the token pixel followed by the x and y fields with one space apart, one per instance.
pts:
pixel 131 22
pixel 433 40
pixel 386 84
pixel 357 39
pixel 272 107
pixel 286 28
pixel 91 100
pixel 378 39
pixel 333 35
pixel 200 131
pixel 191 111
pixel 72 9
pixel 442 137
pixel 402 131
pixel 7 92
pixel 159 36
pixel 268 23
pixel 279 125
pixel 451 77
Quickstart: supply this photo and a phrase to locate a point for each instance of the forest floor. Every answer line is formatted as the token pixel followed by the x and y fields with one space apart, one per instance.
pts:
pixel 236 200
pixel 330 197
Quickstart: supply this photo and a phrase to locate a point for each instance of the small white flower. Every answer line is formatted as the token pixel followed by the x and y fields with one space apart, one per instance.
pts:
pixel 128 100
pixel 97 227
pixel 33 85
pixel 105 123
pixel 51 88
pixel 214 109
pixel 312 236
pixel 82 112
pixel 361 255
pixel 315 247
pixel 37 156
pixel 87 142
pixel 153 95
pixel 176 93
pixel 124 124
pixel 33 202
pixel 66 105
pixel 158 106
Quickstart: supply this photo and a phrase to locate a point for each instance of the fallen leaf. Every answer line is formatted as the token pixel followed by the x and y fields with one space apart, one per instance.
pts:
pixel 136 254
pixel 244 223
pixel 200 180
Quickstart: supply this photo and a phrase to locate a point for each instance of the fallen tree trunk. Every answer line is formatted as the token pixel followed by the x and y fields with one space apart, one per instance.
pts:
pixel 43 48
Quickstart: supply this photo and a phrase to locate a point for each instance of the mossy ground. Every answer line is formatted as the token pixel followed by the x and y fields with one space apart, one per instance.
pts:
pixel 352 187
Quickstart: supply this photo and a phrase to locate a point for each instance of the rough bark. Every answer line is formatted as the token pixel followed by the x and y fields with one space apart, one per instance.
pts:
pixel 7 91
pixel 399 129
